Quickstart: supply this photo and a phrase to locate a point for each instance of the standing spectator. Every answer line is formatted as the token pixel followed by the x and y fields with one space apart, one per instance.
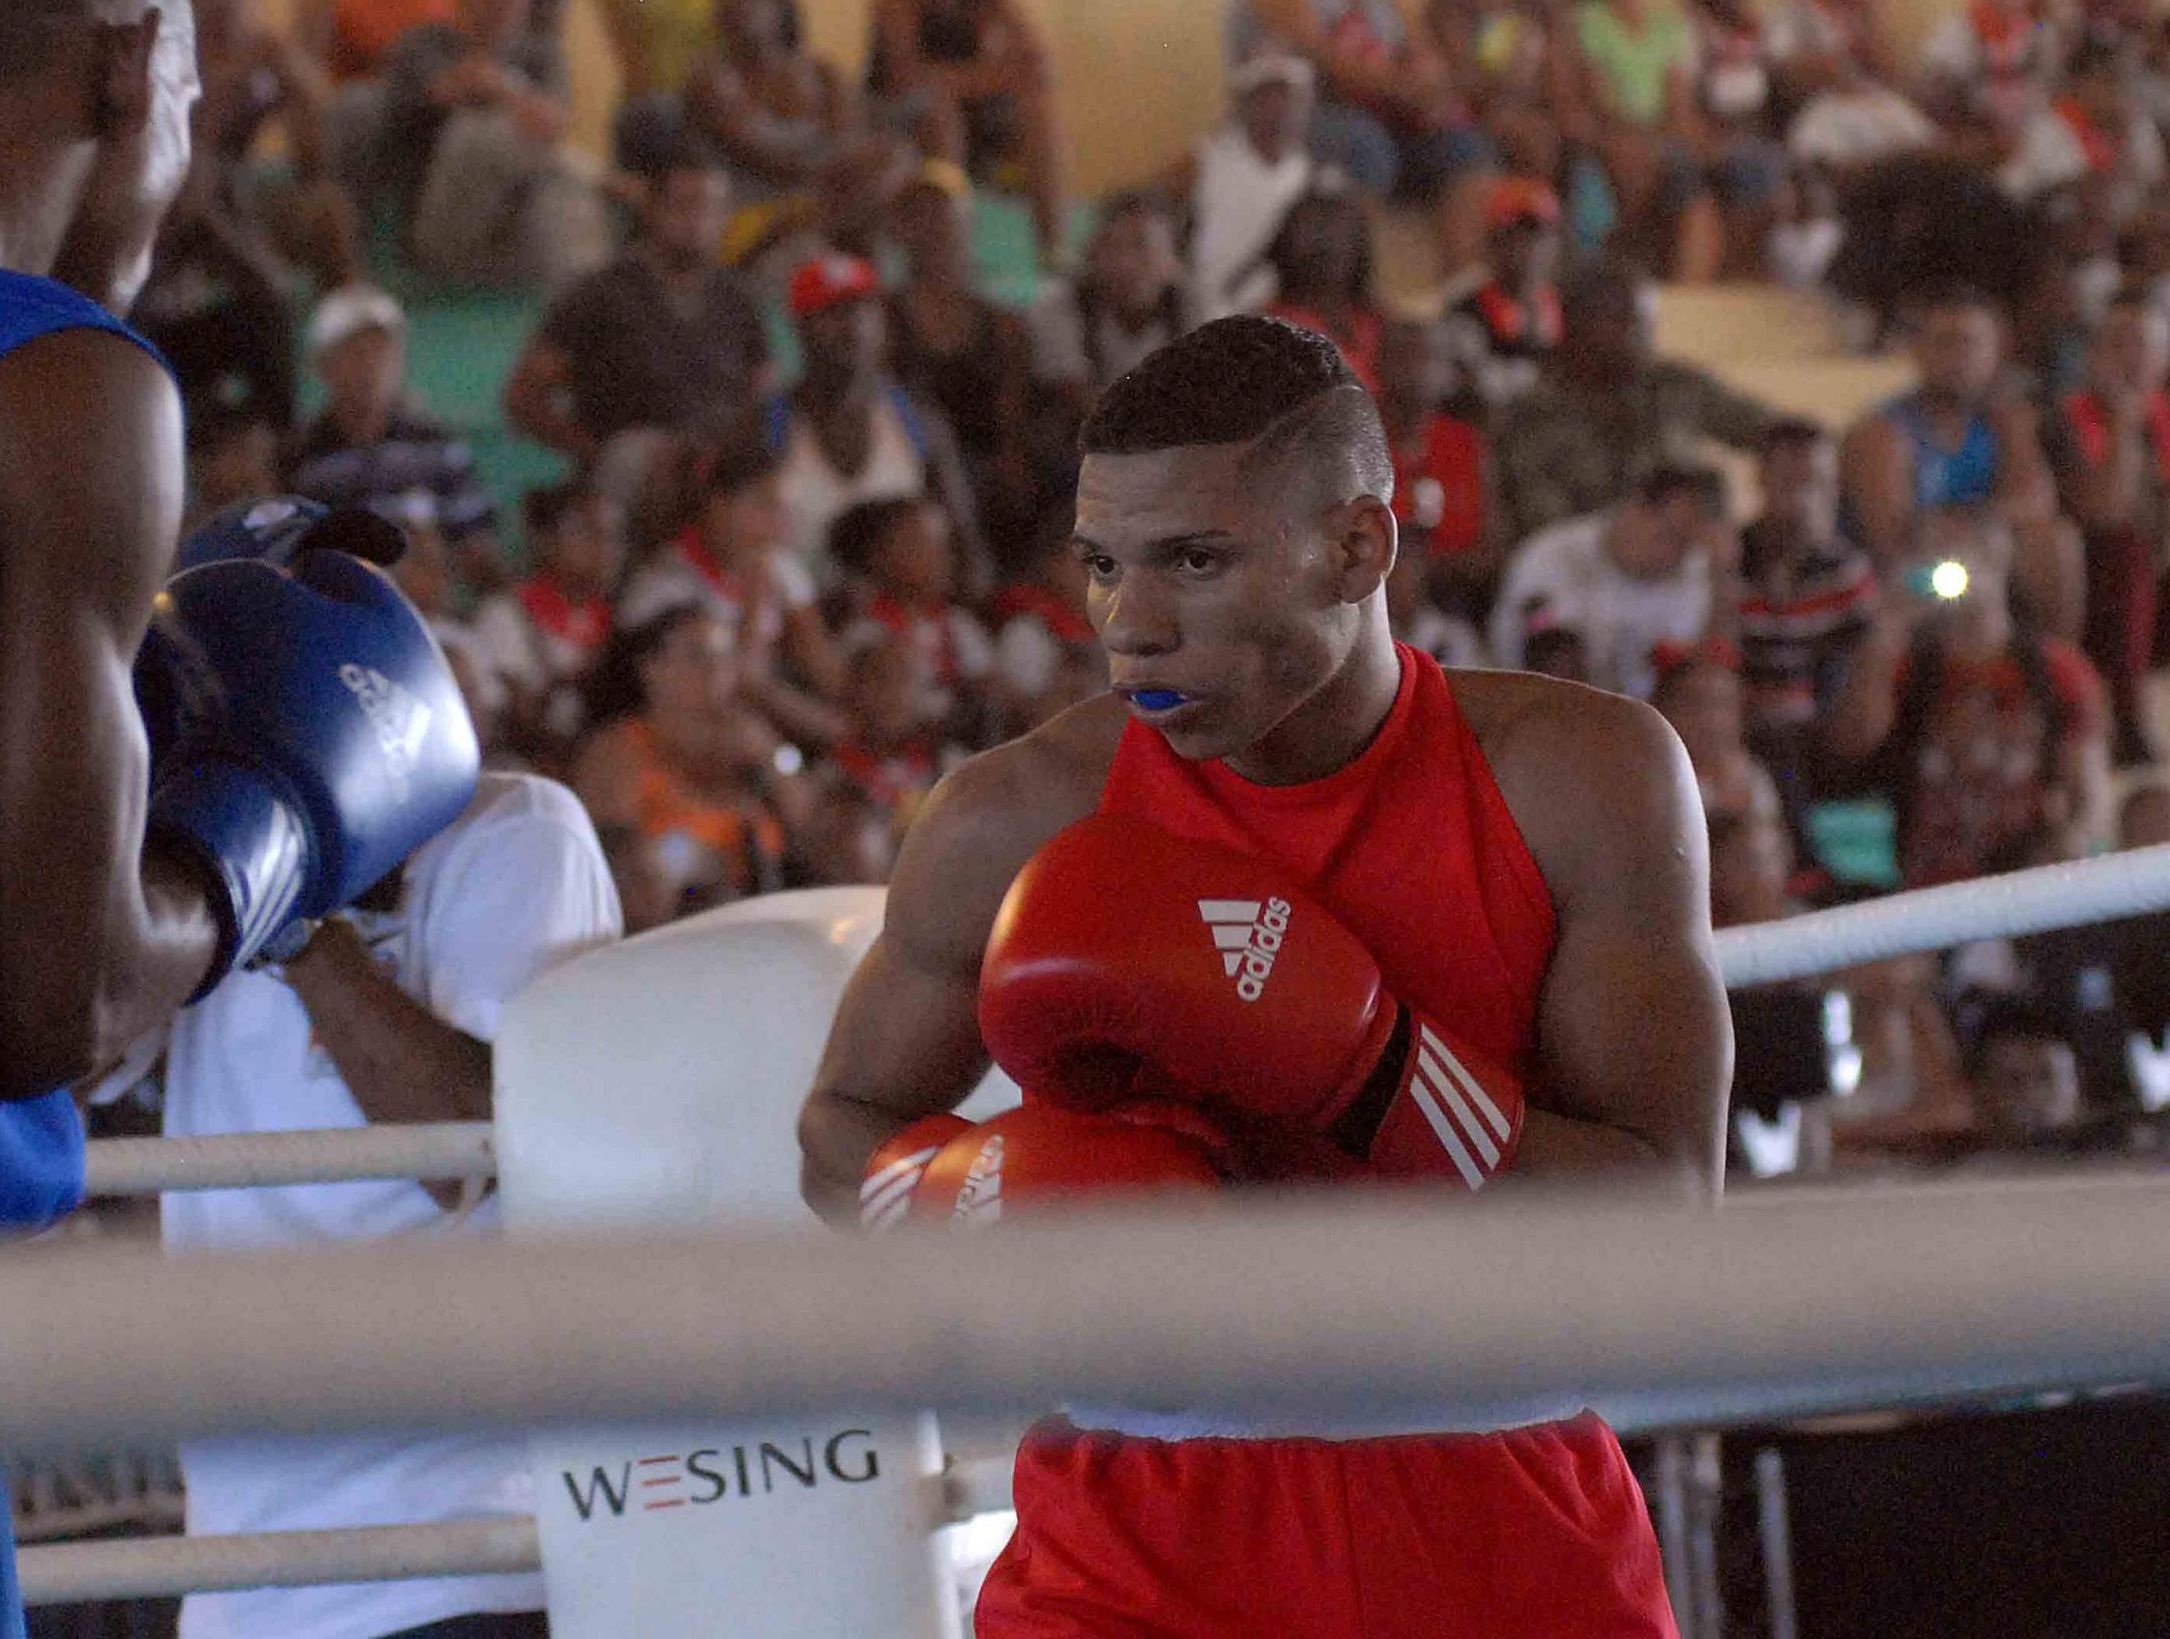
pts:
pixel 1734 98
pixel 955 350
pixel 848 431
pixel 1642 56
pixel 979 75
pixel 655 341
pixel 1988 736
pixel 541 637
pixel 1388 116
pixel 385 1017
pixel 1128 301
pixel 1242 179
pixel 2109 444
pixel 1503 331
pixel 1626 580
pixel 1805 593
pixel 731 559
pixel 475 114
pixel 1962 439
pixel 1607 411
pixel 1442 469
pixel 680 775
pixel 1323 280
pixel 371 445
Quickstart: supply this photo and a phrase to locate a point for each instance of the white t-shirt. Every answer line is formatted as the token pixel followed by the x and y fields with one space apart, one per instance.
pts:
pixel 815 494
pixel 1621 618
pixel 2050 154
pixel 1237 206
pixel 672 579
pixel 517 884
pixel 1844 129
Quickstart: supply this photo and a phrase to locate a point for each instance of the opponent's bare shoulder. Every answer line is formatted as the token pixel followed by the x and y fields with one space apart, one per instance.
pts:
pixel 986 819
pixel 90 473
pixel 1598 783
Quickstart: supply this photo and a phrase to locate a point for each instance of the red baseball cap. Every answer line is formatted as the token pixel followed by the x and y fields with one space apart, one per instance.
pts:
pixel 827 280
pixel 1520 199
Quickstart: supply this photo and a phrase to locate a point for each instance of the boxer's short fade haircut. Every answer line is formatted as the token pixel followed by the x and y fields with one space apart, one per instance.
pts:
pixel 1284 390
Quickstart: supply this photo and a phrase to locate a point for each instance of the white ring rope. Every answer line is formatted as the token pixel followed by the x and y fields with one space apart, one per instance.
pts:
pixel 426 1151
pixel 2032 901
pixel 1654 1313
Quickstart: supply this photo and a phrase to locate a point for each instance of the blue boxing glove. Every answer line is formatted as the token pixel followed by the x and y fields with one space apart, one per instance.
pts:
pixel 176 692
pixel 337 745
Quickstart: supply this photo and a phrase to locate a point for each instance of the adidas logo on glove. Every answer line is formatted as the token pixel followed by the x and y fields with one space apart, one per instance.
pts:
pixel 1248 934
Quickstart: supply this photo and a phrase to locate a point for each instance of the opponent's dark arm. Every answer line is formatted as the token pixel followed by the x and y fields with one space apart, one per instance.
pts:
pixel 98 942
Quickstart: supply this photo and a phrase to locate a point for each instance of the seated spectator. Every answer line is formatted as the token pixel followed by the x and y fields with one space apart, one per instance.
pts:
pixel 1804 595
pixel 1855 121
pixel 1442 469
pixel 1641 58
pixel 953 349
pixel 1963 438
pixel 475 112
pixel 848 431
pixel 354 38
pixel 216 305
pixel 977 74
pixel 259 80
pixel 232 457
pixel 1607 411
pixel 2093 127
pixel 1987 735
pixel 1388 116
pixel 1993 61
pixel 542 636
pixel 1813 43
pixel 1322 264
pixel 2024 1079
pixel 1698 691
pixel 731 560
pixel 371 445
pixel 655 341
pixel 1625 580
pixel 892 751
pixel 1243 177
pixel 425 574
pixel 764 102
pixel 1127 301
pixel 904 554
pixel 1523 71
pixel 1743 164
pixel 2109 445
pixel 847 839
pixel 1046 653
pixel 384 1018
pixel 1551 647
pixel 1503 331
pixel 1806 231
pixel 1419 621
pixel 677 760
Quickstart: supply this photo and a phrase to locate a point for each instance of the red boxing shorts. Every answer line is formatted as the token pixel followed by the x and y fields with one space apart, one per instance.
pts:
pixel 1536 1531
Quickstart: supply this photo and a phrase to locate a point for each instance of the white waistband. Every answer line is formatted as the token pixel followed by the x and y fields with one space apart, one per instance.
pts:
pixel 1209 1423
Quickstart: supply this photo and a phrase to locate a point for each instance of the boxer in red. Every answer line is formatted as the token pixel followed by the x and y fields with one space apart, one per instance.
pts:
pixel 1289 878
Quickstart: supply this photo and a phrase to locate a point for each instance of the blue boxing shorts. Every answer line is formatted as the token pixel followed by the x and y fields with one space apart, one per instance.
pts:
pixel 41 1178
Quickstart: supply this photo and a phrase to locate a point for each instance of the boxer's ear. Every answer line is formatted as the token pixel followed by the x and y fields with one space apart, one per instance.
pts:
pixel 1362 536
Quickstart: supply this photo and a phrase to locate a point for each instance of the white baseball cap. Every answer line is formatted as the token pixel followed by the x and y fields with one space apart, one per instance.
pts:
pixel 350 310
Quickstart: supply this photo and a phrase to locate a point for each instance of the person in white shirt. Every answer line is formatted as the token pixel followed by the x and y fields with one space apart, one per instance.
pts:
pixel 1626 579
pixel 1856 122
pixel 386 1016
pixel 2096 127
pixel 1242 178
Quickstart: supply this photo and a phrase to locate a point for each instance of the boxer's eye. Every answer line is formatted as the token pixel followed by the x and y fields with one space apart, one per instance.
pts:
pixel 1100 566
pixel 1196 560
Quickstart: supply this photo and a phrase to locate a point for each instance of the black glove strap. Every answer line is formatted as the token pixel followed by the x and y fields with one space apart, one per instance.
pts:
pixel 1357 1127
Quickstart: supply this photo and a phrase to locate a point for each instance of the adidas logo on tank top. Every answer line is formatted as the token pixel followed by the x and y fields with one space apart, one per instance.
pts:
pixel 1248 933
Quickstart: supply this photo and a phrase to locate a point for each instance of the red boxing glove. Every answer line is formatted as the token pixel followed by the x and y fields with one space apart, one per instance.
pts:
pixel 1125 959
pixel 1025 1159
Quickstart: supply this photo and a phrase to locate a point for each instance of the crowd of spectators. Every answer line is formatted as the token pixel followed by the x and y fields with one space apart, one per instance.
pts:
pixel 809 548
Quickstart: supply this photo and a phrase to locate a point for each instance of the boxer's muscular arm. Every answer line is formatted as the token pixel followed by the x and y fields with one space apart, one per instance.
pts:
pixel 97 942
pixel 906 1040
pixel 1634 1038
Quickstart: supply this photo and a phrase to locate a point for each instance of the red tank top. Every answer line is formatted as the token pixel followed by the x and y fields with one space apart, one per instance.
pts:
pixel 1411 845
